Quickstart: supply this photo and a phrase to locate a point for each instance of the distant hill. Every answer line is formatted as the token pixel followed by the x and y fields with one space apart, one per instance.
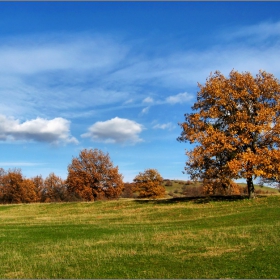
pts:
pixel 181 188
pixel 187 188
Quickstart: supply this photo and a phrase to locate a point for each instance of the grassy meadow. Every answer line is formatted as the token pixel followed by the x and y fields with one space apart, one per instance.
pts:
pixel 126 238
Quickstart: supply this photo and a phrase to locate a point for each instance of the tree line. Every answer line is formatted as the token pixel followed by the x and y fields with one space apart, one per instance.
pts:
pixel 91 176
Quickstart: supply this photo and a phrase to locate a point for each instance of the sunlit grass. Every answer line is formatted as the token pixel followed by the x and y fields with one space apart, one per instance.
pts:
pixel 142 239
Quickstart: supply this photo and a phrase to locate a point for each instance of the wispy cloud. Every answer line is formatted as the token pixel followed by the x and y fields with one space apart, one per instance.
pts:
pixel 164 126
pixel 42 130
pixel 116 130
pixel 257 32
pixel 145 110
pixel 179 98
pixel 148 100
pixel 29 55
pixel 129 101
pixel 38 76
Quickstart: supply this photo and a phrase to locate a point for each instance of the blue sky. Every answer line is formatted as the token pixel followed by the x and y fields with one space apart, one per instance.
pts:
pixel 118 76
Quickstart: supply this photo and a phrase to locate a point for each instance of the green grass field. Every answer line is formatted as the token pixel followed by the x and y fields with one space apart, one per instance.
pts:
pixel 179 238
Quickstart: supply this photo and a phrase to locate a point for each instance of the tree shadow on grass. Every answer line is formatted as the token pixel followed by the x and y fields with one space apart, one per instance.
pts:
pixel 194 199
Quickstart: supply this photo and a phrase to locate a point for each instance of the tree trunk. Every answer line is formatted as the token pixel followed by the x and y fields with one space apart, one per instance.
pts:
pixel 251 188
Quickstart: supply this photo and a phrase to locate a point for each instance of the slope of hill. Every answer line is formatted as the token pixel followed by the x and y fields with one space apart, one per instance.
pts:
pixel 181 188
pixel 177 238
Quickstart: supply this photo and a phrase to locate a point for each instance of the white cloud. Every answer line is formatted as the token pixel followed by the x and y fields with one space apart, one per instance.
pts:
pixel 168 125
pixel 145 110
pixel 148 100
pixel 179 98
pixel 42 130
pixel 116 130
pixel 129 101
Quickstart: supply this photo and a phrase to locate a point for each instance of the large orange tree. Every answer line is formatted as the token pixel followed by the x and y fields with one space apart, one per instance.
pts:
pixel 92 176
pixel 236 129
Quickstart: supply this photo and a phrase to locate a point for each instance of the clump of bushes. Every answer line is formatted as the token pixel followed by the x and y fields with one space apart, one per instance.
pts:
pixel 188 182
pixel 128 191
pixel 192 191
pixel 168 183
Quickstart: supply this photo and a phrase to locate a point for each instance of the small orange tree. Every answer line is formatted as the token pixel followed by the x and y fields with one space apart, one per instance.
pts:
pixel 92 176
pixel 38 182
pixel 148 184
pixel 236 129
pixel 14 188
pixel 53 189
pixel 128 190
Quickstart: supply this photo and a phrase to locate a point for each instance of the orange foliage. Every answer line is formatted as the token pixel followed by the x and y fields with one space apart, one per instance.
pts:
pixel 28 191
pixel 223 186
pixel 92 176
pixel 38 182
pixel 53 189
pixel 148 184
pixel 128 190
pixel 236 129
pixel 15 188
